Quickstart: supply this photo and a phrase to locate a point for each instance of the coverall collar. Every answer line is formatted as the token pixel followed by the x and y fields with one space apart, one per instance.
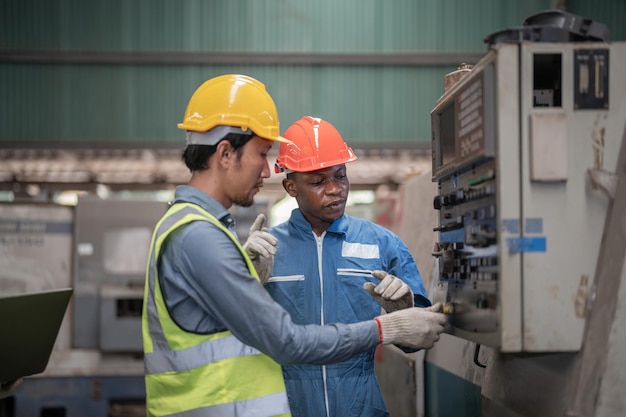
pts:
pixel 190 194
pixel 339 226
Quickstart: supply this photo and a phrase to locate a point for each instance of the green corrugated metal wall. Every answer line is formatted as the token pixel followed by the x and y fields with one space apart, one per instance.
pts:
pixel 129 104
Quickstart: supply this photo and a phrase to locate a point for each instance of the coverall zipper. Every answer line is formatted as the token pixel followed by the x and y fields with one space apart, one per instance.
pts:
pixel 320 241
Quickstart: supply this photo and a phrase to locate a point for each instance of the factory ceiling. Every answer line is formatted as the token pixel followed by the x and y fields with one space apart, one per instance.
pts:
pixel 140 169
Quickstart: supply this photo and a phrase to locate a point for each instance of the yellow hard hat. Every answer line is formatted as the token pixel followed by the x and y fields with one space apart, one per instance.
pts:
pixel 233 100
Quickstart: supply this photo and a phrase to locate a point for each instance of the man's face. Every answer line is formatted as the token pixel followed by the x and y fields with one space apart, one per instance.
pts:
pixel 321 194
pixel 249 171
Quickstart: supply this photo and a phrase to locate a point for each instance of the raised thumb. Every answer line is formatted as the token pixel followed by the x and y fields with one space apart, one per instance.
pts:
pixel 258 223
pixel 369 288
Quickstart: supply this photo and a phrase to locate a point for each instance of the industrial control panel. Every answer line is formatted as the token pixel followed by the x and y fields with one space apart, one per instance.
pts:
pixel 520 148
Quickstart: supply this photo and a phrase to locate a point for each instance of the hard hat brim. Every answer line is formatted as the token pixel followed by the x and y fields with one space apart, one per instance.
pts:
pixel 281 140
pixel 215 135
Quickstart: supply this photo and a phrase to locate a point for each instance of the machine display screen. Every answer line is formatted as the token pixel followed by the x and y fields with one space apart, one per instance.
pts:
pixel 447 134
pixel 459 126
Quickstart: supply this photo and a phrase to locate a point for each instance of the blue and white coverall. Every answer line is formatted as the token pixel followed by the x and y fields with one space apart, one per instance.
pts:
pixel 208 288
pixel 320 280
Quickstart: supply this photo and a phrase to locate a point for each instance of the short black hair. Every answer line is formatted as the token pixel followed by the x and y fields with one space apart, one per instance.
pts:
pixel 196 157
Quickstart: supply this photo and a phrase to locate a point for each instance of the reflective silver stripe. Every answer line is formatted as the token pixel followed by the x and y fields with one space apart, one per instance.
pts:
pixel 215 350
pixel 285 278
pixel 165 360
pixel 359 250
pixel 267 406
pixel 355 272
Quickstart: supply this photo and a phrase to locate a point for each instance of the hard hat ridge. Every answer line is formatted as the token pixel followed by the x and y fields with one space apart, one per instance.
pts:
pixel 314 144
pixel 233 100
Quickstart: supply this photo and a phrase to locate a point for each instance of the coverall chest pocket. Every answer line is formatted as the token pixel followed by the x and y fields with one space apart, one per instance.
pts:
pixel 288 291
pixel 352 300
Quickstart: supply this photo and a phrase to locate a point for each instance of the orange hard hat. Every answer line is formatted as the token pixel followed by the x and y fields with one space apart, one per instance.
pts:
pixel 315 144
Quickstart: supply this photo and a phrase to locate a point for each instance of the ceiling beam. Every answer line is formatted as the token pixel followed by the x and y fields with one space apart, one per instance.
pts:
pixel 93 57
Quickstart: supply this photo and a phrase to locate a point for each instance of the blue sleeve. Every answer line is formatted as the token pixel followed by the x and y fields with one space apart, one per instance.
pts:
pixel 402 265
pixel 219 282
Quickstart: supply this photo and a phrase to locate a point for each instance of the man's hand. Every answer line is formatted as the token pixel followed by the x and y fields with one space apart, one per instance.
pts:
pixel 417 328
pixel 391 293
pixel 261 248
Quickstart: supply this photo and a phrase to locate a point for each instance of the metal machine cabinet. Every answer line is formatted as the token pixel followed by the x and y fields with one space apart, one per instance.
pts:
pixel 100 249
pixel 112 239
pixel 520 147
pixel 36 253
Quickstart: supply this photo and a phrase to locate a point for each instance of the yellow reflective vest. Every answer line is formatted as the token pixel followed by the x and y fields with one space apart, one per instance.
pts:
pixel 189 374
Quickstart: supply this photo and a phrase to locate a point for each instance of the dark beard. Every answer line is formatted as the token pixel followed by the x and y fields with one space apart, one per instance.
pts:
pixel 243 201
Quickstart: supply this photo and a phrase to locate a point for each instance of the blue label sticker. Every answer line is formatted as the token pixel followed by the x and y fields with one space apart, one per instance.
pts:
pixel 511 225
pixel 534 225
pixel 526 244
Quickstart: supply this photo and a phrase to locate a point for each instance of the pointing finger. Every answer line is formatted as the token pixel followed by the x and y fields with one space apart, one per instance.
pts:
pixel 258 223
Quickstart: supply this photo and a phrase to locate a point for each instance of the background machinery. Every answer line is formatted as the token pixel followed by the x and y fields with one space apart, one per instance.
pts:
pixel 528 155
pixel 99 248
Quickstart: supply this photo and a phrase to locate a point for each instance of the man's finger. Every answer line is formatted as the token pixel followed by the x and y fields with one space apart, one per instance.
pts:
pixel 387 286
pixel 258 223
pixel 265 244
pixel 435 308
pixel 394 291
pixel 369 287
pixel 379 275
pixel 390 287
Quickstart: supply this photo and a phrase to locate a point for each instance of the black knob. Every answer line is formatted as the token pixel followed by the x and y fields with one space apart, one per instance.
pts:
pixel 437 203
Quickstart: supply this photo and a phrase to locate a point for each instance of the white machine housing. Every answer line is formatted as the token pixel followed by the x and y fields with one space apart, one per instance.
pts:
pixel 515 143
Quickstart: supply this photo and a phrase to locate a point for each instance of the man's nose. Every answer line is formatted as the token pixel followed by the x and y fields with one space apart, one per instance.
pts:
pixel 265 173
pixel 333 187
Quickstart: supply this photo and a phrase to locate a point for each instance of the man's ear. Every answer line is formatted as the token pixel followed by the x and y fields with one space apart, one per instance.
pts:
pixel 224 152
pixel 290 186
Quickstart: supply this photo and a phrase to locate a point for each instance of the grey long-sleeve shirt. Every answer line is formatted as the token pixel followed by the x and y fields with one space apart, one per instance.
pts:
pixel 207 288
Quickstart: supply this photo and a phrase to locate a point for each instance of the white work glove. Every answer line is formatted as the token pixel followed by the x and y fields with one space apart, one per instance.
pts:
pixel 391 292
pixel 417 328
pixel 261 248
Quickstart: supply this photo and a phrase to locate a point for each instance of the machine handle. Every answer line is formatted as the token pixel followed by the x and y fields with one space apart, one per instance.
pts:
pixel 476 352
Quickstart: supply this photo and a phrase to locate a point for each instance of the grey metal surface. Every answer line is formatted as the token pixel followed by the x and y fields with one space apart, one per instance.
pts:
pixel 520 229
pixel 112 239
pixel 601 374
pixel 396 373
pixel 588 383
pixel 35 252
pixel 119 321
